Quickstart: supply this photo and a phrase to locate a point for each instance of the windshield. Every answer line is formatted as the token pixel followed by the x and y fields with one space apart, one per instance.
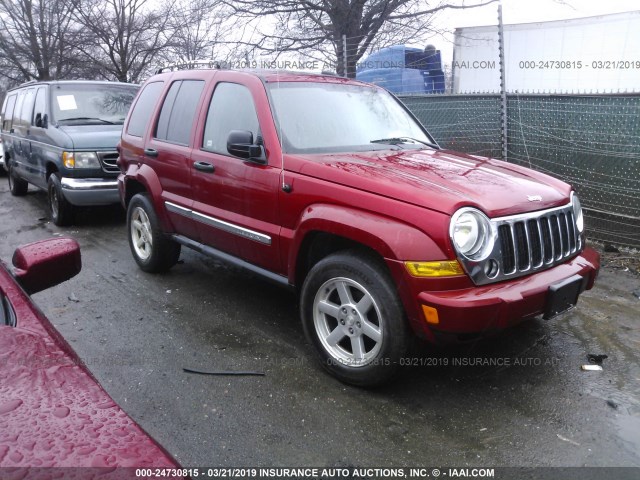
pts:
pixel 91 103
pixel 330 117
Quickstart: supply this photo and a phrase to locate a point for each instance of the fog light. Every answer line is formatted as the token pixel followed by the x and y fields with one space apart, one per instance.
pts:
pixel 491 268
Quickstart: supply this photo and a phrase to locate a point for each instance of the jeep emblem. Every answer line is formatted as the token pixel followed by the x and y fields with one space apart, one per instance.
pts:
pixel 534 198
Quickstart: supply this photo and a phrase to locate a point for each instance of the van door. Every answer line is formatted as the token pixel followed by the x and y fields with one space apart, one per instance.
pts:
pixel 7 120
pixel 41 150
pixel 16 132
pixel 24 128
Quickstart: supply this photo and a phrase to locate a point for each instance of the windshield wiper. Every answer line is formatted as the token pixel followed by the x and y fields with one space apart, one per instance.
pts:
pixel 401 140
pixel 93 119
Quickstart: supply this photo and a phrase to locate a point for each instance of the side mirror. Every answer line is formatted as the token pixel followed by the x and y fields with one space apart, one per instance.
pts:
pixel 41 120
pixel 44 264
pixel 240 144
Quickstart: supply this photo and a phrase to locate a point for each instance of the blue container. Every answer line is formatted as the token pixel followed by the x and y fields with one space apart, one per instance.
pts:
pixel 402 69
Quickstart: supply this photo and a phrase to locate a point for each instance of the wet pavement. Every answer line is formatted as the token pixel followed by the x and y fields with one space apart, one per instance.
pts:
pixel 519 399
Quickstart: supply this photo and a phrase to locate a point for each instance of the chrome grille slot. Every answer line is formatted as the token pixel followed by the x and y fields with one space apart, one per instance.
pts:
pixel 545 232
pixel 508 256
pixel 522 246
pixel 555 237
pixel 535 243
pixel 108 161
pixel 572 233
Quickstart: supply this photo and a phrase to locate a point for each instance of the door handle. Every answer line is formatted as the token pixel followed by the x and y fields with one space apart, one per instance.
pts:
pixel 204 167
pixel 151 152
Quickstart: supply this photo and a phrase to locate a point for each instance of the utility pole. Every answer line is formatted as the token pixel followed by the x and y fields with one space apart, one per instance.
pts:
pixel 344 55
pixel 503 87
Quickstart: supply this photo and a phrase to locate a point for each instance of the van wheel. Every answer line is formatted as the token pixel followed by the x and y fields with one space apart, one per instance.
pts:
pixel 151 249
pixel 353 317
pixel 61 210
pixel 17 186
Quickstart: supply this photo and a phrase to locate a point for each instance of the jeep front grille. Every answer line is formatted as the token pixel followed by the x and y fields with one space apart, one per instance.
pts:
pixel 527 243
pixel 108 161
pixel 532 243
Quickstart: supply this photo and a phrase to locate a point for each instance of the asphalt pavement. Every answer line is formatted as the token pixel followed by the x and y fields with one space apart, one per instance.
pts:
pixel 519 399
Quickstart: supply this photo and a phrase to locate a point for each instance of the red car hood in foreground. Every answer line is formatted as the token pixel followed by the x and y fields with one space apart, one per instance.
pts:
pixel 440 180
pixel 53 413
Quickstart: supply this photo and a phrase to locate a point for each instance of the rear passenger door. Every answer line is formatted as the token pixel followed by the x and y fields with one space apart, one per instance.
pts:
pixel 236 200
pixel 168 150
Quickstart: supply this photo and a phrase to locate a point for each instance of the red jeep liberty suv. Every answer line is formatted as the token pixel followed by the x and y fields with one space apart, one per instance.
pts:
pixel 333 187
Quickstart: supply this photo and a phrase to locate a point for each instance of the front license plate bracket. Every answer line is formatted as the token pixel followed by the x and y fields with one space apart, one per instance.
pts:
pixel 563 296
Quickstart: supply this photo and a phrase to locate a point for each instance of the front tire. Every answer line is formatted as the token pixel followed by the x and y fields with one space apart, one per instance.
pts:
pixel 151 249
pixel 60 209
pixel 17 186
pixel 353 317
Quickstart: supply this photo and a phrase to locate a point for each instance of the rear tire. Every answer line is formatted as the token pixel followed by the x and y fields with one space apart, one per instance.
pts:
pixel 151 249
pixel 61 210
pixel 353 317
pixel 17 186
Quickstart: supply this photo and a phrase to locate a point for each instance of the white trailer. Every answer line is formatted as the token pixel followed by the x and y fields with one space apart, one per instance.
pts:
pixel 586 55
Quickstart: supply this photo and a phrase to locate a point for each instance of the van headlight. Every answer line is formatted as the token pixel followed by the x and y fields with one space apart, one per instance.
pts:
pixel 80 160
pixel 577 212
pixel 470 232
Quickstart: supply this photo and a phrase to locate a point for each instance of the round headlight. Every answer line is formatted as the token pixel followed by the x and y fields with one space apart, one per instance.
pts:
pixel 577 213
pixel 470 232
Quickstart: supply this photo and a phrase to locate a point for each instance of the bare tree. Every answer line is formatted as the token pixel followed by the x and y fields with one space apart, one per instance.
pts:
pixel 124 37
pixel 36 40
pixel 328 27
pixel 198 27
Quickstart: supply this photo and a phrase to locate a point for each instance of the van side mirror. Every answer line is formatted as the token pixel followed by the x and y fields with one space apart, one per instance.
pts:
pixel 240 144
pixel 44 264
pixel 41 120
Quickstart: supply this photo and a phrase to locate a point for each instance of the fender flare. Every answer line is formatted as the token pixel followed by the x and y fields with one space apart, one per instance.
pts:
pixel 148 178
pixel 392 239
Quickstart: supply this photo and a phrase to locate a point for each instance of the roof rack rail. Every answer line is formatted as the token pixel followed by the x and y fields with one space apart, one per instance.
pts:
pixel 192 65
pixel 29 82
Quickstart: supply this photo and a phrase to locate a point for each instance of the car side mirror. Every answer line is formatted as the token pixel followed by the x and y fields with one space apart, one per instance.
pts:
pixel 44 264
pixel 240 144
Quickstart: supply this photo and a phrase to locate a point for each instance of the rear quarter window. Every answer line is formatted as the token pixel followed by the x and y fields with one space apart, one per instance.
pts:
pixel 7 113
pixel 179 111
pixel 141 113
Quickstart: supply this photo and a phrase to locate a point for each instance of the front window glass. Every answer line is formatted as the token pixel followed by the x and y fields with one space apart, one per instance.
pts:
pixel 231 108
pixel 330 117
pixel 91 103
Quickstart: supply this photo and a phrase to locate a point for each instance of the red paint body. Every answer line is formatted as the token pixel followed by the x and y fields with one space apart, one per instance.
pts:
pixel 53 412
pixel 397 203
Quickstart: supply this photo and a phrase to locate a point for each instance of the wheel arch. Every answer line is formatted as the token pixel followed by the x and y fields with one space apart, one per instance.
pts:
pixel 143 179
pixel 326 229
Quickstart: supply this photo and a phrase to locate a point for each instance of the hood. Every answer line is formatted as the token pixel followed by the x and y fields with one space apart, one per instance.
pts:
pixel 93 137
pixel 440 180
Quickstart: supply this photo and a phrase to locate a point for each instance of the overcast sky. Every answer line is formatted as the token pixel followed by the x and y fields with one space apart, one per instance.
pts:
pixel 523 11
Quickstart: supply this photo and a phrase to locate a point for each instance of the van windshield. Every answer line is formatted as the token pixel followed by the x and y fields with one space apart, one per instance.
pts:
pixel 91 103
pixel 328 117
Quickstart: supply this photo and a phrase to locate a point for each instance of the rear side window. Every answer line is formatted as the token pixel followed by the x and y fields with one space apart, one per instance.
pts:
pixel 27 107
pixel 231 108
pixel 179 111
pixel 141 113
pixel 7 114
pixel 18 109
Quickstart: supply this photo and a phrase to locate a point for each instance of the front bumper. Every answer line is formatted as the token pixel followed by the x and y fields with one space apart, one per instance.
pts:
pixel 497 306
pixel 90 191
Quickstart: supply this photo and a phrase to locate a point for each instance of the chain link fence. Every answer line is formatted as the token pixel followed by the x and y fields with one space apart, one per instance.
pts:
pixel 590 141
